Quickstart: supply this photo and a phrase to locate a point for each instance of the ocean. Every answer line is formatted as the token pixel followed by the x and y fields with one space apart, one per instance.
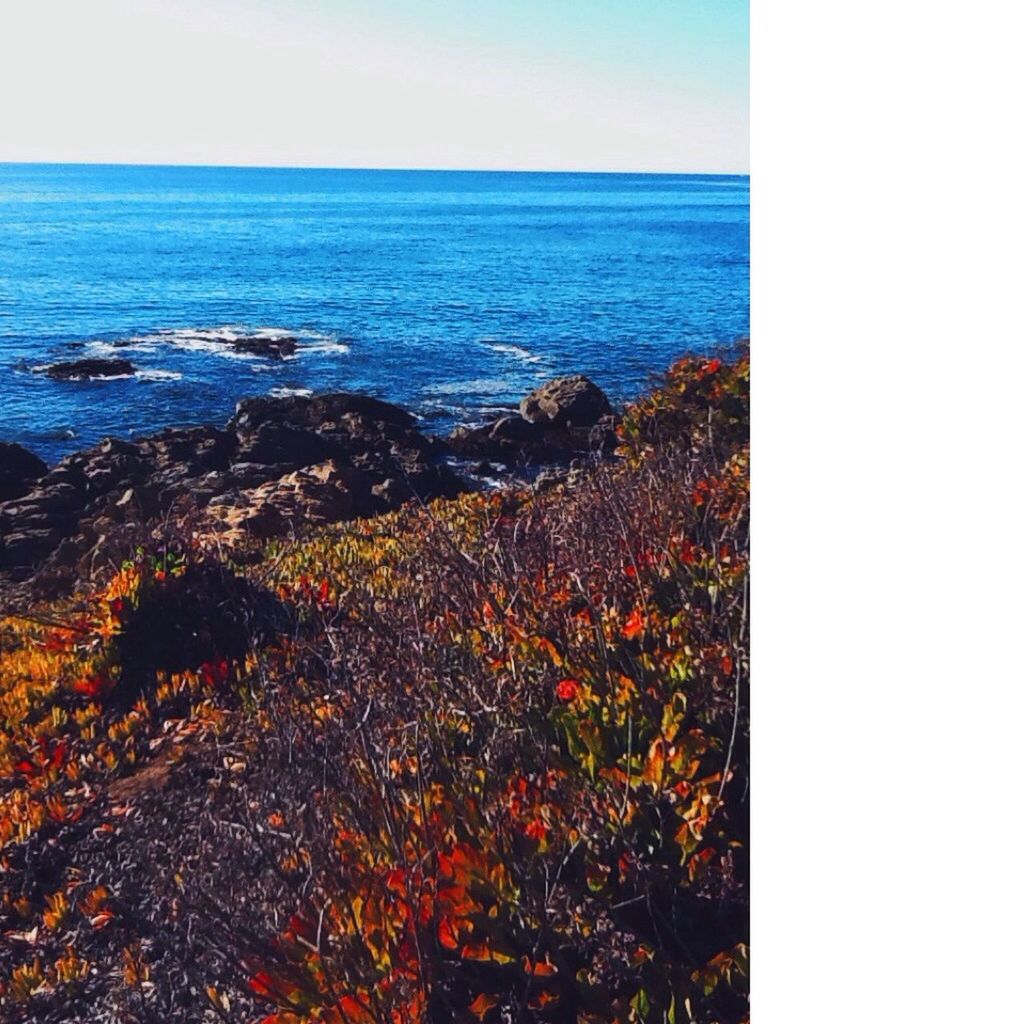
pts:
pixel 452 293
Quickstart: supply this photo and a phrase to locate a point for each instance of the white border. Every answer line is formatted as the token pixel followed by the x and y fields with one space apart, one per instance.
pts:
pixel 886 323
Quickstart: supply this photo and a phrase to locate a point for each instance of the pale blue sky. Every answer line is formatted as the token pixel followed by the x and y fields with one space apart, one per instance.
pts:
pixel 655 85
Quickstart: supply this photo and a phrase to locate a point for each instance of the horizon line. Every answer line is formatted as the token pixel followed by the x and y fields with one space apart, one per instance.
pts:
pixel 331 167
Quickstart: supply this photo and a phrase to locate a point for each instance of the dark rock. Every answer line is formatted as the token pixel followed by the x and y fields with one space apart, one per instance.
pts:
pixel 566 401
pixel 508 439
pixel 391 493
pixel 355 432
pixel 474 442
pixel 69 551
pixel 272 348
pixel 238 477
pixel 281 465
pixel 84 369
pixel 18 469
pixel 307 497
pixel 313 410
pixel 142 500
pixel 47 497
pixel 432 480
pixel 279 444
pixel 517 430
pixel 202 449
pixel 26 547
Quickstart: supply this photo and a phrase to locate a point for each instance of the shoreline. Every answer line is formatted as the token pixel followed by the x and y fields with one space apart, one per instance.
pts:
pixel 279 465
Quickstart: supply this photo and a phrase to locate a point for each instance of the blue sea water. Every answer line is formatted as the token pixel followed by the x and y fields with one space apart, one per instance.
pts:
pixel 448 292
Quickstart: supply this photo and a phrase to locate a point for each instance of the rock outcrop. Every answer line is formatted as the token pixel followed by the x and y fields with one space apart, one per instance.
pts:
pixel 268 347
pixel 563 419
pixel 313 496
pixel 278 466
pixel 87 369
pixel 19 469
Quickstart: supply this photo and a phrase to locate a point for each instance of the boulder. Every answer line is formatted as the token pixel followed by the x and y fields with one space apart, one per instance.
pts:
pixel 33 525
pixel 86 369
pixel 566 417
pixel 510 439
pixel 574 401
pixel 312 411
pixel 19 468
pixel 516 430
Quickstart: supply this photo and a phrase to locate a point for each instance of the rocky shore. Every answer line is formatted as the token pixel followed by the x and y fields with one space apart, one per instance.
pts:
pixel 277 466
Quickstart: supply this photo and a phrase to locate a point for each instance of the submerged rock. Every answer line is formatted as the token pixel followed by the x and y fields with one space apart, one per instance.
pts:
pixel 86 369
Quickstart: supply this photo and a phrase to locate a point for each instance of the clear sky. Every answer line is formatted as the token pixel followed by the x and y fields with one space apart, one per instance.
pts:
pixel 656 85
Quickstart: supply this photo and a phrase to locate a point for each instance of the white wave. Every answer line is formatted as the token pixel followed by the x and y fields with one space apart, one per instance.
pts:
pixel 289 392
pixel 215 335
pixel 194 341
pixel 516 351
pixel 287 332
pixel 157 375
pixel 479 386
pixel 113 349
pixel 329 348
pixel 230 353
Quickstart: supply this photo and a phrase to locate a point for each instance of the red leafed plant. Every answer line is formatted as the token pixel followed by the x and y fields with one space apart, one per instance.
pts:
pixel 481 761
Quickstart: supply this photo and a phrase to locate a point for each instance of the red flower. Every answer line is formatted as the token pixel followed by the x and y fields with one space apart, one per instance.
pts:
pixel 567 689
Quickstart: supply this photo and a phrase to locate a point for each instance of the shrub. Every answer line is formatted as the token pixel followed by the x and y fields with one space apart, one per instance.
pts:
pixel 498 771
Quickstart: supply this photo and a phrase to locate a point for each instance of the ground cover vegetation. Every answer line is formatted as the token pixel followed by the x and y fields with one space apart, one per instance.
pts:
pixel 482 760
